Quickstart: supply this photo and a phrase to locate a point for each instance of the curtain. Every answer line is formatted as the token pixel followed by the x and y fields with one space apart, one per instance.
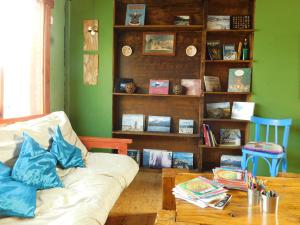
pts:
pixel 21 57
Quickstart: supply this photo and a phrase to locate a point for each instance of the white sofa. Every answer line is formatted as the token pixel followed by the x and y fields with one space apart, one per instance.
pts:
pixel 89 192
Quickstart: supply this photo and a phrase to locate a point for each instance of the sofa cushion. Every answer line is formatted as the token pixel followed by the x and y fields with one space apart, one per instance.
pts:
pixel 36 166
pixel 89 193
pixel 16 199
pixel 41 129
pixel 67 155
pixel 266 147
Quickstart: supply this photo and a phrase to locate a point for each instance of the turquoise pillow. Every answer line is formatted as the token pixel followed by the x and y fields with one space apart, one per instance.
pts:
pixel 67 155
pixel 36 166
pixel 16 199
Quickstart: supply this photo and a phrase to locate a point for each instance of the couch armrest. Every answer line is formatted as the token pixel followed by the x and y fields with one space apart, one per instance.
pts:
pixel 114 143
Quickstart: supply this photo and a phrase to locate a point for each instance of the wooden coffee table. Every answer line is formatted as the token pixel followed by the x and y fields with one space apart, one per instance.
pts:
pixel 238 211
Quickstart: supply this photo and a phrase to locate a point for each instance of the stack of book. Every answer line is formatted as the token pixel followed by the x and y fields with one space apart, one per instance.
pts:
pixel 209 138
pixel 202 192
pixel 231 178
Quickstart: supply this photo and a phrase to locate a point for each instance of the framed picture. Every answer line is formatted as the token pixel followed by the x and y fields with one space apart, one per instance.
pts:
pixel 159 43
pixel 182 20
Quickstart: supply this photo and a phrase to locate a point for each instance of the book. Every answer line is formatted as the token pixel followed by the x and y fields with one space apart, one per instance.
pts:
pixel 231 178
pixel 155 158
pixel 218 110
pixel 239 80
pixel 133 122
pixel 231 161
pixel 135 155
pixel 186 126
pixel 159 124
pixel 230 137
pixel 135 14
pixel 209 137
pixel 183 160
pixel 159 87
pixel 218 22
pixel 192 86
pixel 121 83
pixel 242 110
pixel 214 50
pixel 212 83
pixel 229 52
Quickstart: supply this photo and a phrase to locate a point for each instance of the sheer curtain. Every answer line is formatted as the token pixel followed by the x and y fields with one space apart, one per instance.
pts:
pixel 21 57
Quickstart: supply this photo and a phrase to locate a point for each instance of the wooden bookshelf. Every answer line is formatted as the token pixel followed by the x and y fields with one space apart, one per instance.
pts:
pixel 142 68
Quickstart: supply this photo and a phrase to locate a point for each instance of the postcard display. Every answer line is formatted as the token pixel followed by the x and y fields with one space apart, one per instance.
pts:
pixel 168 128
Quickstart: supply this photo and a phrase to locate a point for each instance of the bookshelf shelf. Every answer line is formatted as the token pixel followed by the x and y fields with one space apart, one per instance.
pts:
pixel 232 31
pixel 225 120
pixel 159 28
pixel 227 93
pixel 145 133
pixel 228 61
pixel 222 147
pixel 156 95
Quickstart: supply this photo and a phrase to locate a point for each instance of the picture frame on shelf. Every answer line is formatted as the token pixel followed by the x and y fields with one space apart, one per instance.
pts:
pixel 182 20
pixel 159 43
pixel 121 84
pixel 135 15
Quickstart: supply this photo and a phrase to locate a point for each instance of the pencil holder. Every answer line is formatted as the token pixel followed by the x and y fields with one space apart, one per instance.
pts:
pixel 269 204
pixel 253 197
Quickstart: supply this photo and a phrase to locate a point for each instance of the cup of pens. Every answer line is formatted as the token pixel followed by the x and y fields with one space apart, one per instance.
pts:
pixel 255 186
pixel 269 201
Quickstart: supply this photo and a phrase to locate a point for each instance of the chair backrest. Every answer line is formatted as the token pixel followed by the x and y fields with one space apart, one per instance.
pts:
pixel 276 123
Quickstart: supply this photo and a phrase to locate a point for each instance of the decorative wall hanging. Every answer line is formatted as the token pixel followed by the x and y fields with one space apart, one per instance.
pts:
pixel 126 50
pixel 90 31
pixel 90 69
pixel 191 51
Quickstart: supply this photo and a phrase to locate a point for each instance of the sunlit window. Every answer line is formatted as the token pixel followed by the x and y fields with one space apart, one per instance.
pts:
pixel 21 57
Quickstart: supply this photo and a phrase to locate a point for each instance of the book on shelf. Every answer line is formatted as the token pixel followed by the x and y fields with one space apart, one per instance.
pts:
pixel 202 192
pixel 242 110
pixel 218 110
pixel 155 158
pixel 218 22
pixel 159 87
pixel 229 52
pixel 135 155
pixel 214 50
pixel 192 86
pixel 231 161
pixel 186 126
pixel 239 80
pixel 133 122
pixel 183 160
pixel 240 22
pixel 135 14
pixel 159 124
pixel 230 137
pixel 209 137
pixel 212 83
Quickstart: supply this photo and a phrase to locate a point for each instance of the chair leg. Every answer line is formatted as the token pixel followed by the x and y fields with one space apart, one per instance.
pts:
pixel 273 169
pixel 254 162
pixel 244 159
pixel 284 165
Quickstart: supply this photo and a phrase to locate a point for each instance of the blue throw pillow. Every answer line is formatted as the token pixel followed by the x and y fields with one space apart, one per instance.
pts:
pixel 67 155
pixel 16 199
pixel 36 166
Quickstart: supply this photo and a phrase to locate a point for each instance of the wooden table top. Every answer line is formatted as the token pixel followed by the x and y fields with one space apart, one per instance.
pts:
pixel 238 211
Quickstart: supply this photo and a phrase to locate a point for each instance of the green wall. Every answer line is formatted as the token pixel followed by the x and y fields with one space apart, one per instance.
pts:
pixel 276 71
pixel 57 57
pixel 90 107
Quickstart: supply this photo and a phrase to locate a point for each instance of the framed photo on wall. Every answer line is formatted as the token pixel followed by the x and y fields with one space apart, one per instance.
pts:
pixel 159 43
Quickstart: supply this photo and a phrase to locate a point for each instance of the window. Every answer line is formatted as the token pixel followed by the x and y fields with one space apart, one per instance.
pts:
pixel 24 57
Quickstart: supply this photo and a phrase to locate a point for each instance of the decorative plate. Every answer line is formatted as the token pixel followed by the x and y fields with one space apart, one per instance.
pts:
pixel 126 50
pixel 191 51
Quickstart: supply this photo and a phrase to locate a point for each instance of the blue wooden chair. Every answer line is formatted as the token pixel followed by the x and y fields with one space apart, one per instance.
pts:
pixel 272 158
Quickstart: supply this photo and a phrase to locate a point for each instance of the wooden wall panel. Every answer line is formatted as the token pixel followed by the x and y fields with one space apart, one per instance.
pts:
pixel 90 41
pixel 90 69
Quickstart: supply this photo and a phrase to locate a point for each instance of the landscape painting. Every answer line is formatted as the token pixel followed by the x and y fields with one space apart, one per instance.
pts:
pixel 156 43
